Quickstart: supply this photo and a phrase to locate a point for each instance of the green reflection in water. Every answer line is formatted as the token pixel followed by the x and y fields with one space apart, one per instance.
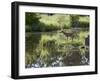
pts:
pixel 51 49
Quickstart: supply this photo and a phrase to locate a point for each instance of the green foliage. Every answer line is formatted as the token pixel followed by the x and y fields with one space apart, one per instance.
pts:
pixel 81 21
pixel 84 19
pixel 45 22
pixel 56 20
pixel 74 20
pixel 31 18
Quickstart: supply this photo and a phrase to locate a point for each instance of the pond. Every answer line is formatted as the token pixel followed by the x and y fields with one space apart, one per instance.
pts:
pixel 54 49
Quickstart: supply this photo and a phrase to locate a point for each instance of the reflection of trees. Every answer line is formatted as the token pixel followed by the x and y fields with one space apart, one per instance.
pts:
pixel 45 50
pixel 73 57
pixel 31 42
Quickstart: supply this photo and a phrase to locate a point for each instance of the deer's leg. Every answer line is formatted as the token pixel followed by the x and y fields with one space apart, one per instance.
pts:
pixel 67 37
pixel 72 38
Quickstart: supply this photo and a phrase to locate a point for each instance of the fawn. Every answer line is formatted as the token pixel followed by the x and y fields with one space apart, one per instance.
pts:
pixel 71 34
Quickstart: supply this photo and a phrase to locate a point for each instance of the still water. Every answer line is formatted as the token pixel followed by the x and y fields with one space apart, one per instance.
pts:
pixel 53 49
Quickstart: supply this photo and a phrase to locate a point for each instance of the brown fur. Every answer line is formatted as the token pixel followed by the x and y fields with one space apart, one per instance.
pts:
pixel 68 34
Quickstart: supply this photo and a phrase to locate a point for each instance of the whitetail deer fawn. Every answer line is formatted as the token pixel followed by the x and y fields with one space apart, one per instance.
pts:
pixel 71 34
